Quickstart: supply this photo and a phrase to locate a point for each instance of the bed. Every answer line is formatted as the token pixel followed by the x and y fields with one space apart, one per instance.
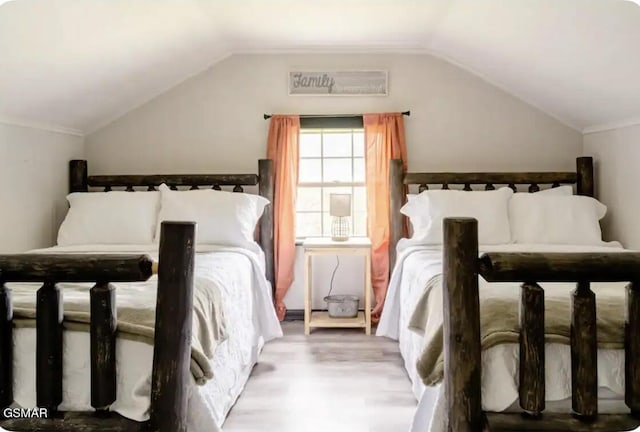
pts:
pixel 546 370
pixel 181 358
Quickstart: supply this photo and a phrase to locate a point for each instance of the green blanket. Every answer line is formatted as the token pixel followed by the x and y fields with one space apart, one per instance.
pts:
pixel 136 304
pixel 499 318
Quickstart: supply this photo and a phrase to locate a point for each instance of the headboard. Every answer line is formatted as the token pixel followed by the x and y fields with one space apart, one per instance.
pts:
pixel 399 181
pixel 80 181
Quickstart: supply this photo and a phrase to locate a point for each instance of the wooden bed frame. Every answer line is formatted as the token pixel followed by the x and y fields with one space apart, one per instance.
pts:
pixel 80 181
pixel 174 308
pixel 462 345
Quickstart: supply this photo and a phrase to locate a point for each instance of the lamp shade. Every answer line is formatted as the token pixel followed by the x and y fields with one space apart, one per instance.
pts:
pixel 340 204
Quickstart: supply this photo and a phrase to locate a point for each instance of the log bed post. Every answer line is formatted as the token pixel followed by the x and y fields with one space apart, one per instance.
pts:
pixel 632 349
pixel 172 341
pixel 585 182
pixel 462 355
pixel 78 177
pixel 6 346
pixel 266 189
pixel 396 194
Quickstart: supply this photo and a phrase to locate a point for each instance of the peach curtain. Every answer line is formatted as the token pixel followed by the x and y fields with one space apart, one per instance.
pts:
pixel 282 148
pixel 384 140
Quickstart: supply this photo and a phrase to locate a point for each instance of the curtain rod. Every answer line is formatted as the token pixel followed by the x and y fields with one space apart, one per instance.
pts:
pixel 268 116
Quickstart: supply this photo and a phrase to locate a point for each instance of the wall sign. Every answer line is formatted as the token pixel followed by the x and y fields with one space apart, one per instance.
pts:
pixel 338 83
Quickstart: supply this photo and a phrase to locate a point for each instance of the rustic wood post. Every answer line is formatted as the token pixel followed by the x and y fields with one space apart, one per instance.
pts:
pixel 6 346
pixel 632 349
pixel 584 167
pixel 462 355
pixel 174 311
pixel 532 386
pixel 396 194
pixel 266 189
pixel 103 346
pixel 78 176
pixel 584 352
pixel 49 315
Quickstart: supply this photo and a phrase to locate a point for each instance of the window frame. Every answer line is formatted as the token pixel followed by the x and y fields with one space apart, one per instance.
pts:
pixel 336 127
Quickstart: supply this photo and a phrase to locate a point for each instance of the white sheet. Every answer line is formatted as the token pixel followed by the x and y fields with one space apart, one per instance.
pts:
pixel 250 321
pixel 416 266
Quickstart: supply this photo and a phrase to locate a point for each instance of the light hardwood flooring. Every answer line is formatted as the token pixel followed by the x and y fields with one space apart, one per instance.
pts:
pixel 335 380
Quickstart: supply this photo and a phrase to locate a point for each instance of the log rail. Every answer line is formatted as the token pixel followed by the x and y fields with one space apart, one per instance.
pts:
pixel 461 269
pixel 172 347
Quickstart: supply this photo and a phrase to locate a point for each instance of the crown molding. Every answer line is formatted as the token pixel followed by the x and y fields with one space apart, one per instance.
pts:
pixel 9 121
pixel 611 126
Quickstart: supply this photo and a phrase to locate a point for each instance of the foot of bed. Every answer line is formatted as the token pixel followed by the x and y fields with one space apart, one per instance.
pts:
pixel 461 325
pixel 174 311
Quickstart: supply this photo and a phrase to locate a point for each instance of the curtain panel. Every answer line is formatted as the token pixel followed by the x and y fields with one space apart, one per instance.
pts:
pixel 384 140
pixel 282 148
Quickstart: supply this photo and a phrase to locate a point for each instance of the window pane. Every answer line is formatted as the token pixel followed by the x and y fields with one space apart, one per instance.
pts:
pixel 358 144
pixel 310 145
pixel 309 199
pixel 337 170
pixel 358 170
pixel 359 199
pixel 308 224
pixel 360 224
pixel 327 224
pixel 326 158
pixel 336 144
pixel 310 170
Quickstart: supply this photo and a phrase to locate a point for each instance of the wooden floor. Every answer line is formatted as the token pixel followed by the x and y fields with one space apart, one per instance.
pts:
pixel 332 381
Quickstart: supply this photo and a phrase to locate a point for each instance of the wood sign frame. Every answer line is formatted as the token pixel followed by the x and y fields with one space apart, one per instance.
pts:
pixel 338 83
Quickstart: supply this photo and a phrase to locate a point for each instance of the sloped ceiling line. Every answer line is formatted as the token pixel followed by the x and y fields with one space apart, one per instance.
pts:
pixel 91 62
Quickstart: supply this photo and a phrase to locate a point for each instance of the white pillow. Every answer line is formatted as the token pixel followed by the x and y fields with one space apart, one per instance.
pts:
pixel 418 221
pixel 116 217
pixel 223 218
pixel 490 208
pixel 560 190
pixel 556 219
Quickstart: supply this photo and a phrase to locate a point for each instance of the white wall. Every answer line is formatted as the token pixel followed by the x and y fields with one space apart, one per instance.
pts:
pixel 213 123
pixel 34 172
pixel 617 158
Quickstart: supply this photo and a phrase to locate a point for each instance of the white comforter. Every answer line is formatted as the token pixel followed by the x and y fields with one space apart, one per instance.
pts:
pixel 414 268
pixel 250 321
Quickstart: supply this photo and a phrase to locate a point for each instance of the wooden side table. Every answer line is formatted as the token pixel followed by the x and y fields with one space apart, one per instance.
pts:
pixel 326 246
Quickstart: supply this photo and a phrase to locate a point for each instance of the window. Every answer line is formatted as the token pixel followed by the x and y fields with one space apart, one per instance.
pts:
pixel 331 161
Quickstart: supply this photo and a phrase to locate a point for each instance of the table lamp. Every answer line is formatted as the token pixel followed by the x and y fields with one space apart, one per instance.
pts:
pixel 340 210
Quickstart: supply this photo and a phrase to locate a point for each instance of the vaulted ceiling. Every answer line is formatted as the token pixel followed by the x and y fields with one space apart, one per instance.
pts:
pixel 78 64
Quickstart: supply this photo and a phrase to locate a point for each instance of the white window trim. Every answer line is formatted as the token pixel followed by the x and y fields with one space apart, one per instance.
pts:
pixel 321 131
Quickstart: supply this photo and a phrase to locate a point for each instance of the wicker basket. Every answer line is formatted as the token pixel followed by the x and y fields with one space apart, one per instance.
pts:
pixel 342 306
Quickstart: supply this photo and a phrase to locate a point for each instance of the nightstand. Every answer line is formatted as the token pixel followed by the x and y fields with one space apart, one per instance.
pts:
pixel 326 246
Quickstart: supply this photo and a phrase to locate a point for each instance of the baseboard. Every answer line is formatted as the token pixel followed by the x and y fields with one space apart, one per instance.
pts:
pixel 294 315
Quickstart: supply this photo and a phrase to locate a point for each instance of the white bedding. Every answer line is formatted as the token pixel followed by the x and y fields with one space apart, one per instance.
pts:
pixel 414 268
pixel 250 321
